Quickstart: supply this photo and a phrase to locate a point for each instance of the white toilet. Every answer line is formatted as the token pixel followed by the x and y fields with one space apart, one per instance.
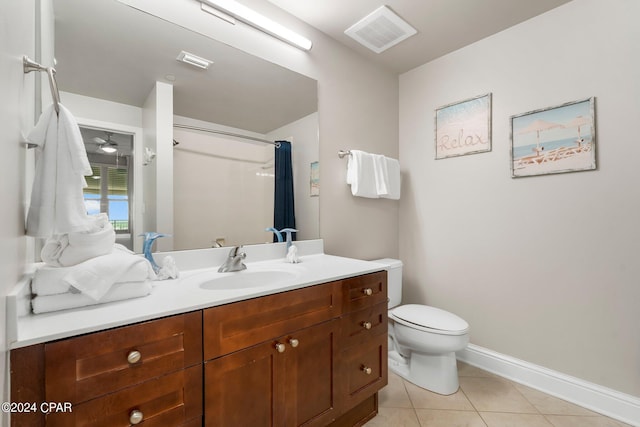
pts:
pixel 422 339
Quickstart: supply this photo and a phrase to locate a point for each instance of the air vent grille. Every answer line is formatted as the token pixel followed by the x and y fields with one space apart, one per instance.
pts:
pixel 380 30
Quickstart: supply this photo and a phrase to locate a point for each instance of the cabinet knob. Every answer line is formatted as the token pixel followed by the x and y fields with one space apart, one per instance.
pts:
pixel 366 325
pixel 294 342
pixel 280 347
pixel 367 291
pixel 366 370
pixel 135 417
pixel 134 356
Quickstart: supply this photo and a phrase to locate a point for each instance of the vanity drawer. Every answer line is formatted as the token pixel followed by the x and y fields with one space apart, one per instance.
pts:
pixel 365 291
pixel 239 325
pixel 82 368
pixel 364 370
pixel 360 326
pixel 170 400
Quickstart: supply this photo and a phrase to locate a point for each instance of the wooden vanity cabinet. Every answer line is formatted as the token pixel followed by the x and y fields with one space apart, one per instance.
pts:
pixel 314 356
pixel 308 357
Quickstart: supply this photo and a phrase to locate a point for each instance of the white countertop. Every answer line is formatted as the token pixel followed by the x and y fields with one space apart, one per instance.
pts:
pixel 184 294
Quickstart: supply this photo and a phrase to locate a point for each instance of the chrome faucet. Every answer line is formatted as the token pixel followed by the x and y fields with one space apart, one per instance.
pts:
pixel 234 261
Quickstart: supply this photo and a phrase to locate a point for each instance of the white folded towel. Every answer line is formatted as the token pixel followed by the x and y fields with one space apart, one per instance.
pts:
pixel 48 280
pixel 361 174
pixel 73 248
pixel 96 276
pixel 119 292
pixel 57 203
pixel 391 171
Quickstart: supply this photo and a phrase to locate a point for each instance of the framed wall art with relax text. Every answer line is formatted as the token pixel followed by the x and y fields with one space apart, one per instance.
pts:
pixel 554 140
pixel 464 127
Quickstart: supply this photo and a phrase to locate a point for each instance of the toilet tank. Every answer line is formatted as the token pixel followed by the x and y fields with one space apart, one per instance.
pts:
pixel 394 279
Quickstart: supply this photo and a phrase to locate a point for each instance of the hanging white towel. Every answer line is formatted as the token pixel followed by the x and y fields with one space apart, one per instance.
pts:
pixel 391 170
pixel 361 174
pixel 119 292
pixel 57 204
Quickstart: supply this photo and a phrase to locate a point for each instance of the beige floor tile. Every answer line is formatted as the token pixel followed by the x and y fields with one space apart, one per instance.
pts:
pixel 551 405
pixel 466 370
pixel 581 421
pixel 394 395
pixel 495 395
pixel 501 419
pixel 421 398
pixel 394 417
pixel 446 418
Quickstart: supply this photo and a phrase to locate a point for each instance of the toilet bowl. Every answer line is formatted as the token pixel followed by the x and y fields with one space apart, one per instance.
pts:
pixel 422 339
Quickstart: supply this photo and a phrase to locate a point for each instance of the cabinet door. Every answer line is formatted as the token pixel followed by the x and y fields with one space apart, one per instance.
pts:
pixel 264 387
pixel 311 380
pixel 242 389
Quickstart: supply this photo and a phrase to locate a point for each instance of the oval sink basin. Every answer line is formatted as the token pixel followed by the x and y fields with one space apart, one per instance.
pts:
pixel 248 279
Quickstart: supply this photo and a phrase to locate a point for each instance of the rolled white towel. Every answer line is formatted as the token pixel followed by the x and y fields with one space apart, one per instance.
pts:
pixel 73 248
pixel 119 292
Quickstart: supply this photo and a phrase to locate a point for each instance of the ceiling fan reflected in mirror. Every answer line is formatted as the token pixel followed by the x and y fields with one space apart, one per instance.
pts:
pixel 106 145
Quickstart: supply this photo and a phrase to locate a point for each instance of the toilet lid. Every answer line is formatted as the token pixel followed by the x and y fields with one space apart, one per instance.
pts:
pixel 431 318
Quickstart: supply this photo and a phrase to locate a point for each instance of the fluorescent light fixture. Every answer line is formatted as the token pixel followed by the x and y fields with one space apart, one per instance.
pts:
pixel 262 23
pixel 195 60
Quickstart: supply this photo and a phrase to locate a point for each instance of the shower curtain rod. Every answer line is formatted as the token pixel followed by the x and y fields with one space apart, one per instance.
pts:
pixel 221 132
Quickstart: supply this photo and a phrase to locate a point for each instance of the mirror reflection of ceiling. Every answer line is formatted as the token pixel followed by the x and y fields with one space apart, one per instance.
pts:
pixel 238 90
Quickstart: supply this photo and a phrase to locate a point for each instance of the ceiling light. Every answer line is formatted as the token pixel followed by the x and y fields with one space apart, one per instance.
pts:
pixel 261 22
pixel 195 60
pixel 108 149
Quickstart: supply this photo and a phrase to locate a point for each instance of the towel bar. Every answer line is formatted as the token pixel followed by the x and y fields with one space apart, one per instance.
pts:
pixel 28 66
pixel 343 153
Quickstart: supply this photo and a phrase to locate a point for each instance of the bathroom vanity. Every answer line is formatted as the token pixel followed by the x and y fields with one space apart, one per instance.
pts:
pixel 310 353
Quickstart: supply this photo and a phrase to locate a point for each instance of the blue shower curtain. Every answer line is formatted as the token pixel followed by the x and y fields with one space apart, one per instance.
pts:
pixel 283 206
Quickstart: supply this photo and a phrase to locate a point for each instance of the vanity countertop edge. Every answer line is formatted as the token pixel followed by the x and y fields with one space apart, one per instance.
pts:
pixel 171 297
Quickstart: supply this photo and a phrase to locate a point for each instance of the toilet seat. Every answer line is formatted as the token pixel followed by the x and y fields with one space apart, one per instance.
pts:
pixel 430 319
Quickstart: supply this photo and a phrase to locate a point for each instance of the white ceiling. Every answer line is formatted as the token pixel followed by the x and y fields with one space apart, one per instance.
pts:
pixel 443 25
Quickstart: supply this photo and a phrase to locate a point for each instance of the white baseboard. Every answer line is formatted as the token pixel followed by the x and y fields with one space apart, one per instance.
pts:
pixel 612 403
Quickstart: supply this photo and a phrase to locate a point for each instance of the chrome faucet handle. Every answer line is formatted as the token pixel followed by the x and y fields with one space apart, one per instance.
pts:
pixel 234 252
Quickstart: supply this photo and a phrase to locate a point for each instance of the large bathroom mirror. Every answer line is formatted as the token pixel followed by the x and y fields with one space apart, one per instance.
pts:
pixel 111 58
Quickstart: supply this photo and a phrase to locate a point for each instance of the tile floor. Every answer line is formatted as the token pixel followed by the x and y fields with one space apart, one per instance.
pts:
pixel 483 400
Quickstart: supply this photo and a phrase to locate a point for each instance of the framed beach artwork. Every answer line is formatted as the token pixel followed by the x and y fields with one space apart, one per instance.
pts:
pixel 554 140
pixel 315 179
pixel 464 127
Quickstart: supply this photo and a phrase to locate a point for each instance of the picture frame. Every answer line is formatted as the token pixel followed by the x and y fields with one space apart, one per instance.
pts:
pixel 314 181
pixel 554 140
pixel 463 127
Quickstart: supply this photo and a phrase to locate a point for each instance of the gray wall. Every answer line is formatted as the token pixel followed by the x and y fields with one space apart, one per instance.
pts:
pixel 545 269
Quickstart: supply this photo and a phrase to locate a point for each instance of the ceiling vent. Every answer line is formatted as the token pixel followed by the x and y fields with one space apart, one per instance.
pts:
pixel 380 30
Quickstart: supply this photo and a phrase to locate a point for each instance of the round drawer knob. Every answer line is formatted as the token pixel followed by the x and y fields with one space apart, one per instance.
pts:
pixel 134 356
pixel 294 342
pixel 366 325
pixel 135 417
pixel 367 291
pixel 280 347
pixel 367 370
